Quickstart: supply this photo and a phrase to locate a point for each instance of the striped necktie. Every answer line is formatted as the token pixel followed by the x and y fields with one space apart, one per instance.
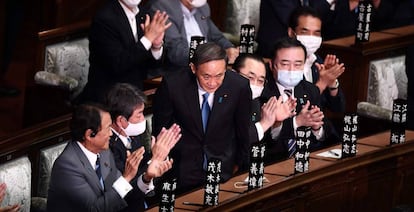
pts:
pixel 98 171
pixel 291 147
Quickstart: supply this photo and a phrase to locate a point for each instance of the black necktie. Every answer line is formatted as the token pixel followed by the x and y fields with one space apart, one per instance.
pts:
pixel 98 171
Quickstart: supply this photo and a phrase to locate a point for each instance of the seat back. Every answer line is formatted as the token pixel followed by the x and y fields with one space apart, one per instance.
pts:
pixel 69 59
pixel 17 175
pixel 387 81
pixel 48 156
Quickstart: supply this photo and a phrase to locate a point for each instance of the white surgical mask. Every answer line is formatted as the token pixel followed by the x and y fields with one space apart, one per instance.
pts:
pixel 289 79
pixel 131 3
pixel 311 43
pixel 135 129
pixel 198 3
pixel 256 90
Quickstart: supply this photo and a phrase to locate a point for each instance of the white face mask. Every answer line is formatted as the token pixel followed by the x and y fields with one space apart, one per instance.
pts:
pixel 131 3
pixel 311 43
pixel 256 90
pixel 198 3
pixel 289 79
pixel 135 129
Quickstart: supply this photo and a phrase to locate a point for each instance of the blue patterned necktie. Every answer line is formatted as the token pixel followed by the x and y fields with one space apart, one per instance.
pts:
pixel 205 111
pixel 291 147
pixel 98 171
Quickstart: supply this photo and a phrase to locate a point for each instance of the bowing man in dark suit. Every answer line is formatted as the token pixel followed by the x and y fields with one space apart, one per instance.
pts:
pixel 287 67
pixel 225 134
pixel 126 104
pixel 122 49
pixel 84 177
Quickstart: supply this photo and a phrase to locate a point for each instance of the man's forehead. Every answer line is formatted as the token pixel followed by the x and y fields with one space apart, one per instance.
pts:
pixel 253 66
pixel 291 54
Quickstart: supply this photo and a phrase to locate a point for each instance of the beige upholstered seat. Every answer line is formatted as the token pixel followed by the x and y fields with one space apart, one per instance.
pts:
pixel 66 65
pixel 387 82
pixel 47 158
pixel 17 174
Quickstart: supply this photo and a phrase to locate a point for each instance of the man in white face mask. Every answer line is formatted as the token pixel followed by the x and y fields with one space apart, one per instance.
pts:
pixel 264 114
pixel 126 105
pixel 287 68
pixel 189 18
pixel 305 24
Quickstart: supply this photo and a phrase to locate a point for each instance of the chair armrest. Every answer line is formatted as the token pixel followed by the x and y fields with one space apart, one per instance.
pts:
pixel 48 78
pixel 374 111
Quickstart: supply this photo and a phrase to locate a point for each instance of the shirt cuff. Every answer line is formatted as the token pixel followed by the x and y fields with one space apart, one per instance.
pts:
pixel 145 187
pixel 318 134
pixel 147 45
pixel 122 186
pixel 259 128
pixel 275 131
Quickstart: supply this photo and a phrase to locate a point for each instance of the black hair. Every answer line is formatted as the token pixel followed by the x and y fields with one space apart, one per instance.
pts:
pixel 241 61
pixel 122 99
pixel 86 116
pixel 285 43
pixel 207 52
pixel 299 12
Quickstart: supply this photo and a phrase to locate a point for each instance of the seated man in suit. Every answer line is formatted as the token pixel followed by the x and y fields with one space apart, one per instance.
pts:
pixel 84 177
pixel 305 25
pixel 189 18
pixel 287 66
pixel 126 104
pixel 212 107
pixel 264 114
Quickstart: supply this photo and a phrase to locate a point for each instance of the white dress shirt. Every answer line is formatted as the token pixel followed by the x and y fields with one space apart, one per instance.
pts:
pixel 190 24
pixel 131 15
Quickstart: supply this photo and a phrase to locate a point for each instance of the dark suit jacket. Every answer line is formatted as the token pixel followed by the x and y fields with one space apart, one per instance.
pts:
pixel 333 103
pixel 74 185
pixel 114 54
pixel 176 38
pixel 228 136
pixel 136 197
pixel 274 18
pixel 304 91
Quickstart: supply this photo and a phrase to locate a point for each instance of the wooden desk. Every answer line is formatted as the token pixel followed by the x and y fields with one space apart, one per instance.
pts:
pixel 378 178
pixel 383 44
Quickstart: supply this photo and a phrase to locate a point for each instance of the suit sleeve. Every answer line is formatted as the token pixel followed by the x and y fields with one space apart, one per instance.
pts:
pixel 176 44
pixel 333 103
pixel 246 133
pixel 214 34
pixel 163 108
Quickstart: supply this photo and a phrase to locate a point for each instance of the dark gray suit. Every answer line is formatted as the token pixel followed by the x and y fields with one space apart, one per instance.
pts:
pixel 176 38
pixel 74 185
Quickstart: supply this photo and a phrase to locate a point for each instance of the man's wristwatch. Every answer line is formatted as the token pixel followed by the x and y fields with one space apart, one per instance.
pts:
pixel 335 87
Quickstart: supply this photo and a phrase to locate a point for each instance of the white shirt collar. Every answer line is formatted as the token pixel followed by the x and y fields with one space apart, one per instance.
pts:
pixel 186 12
pixel 130 14
pixel 201 91
pixel 124 139
pixel 92 157
pixel 282 91
pixel 307 71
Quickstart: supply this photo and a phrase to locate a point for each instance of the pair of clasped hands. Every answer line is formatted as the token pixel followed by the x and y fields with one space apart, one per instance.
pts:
pixel 275 111
pixel 160 148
